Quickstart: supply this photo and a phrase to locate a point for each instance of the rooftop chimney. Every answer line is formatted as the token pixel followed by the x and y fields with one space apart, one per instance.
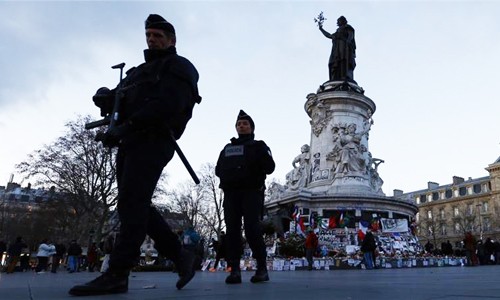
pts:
pixel 458 180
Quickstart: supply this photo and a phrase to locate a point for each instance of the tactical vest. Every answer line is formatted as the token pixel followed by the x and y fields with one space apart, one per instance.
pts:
pixel 144 83
pixel 239 166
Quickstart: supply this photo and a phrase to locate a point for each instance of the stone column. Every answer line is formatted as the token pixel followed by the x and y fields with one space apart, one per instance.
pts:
pixel 341 118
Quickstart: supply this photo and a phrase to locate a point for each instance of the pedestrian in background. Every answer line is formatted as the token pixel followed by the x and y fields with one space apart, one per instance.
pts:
pixel 14 253
pixel 470 249
pixel 58 256
pixel 92 257
pixel 3 249
pixel 311 245
pixel 107 249
pixel 45 251
pixel 220 250
pixel 368 246
pixel 74 252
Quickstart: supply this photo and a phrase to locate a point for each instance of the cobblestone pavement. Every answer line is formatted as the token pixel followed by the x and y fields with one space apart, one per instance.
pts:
pixel 481 282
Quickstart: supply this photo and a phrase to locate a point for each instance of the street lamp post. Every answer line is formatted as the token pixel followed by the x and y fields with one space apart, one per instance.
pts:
pixel 480 221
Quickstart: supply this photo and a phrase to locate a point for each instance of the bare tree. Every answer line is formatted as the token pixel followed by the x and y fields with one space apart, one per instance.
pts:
pixel 83 171
pixel 214 199
pixel 429 228
pixel 188 200
pixel 201 204
pixel 463 220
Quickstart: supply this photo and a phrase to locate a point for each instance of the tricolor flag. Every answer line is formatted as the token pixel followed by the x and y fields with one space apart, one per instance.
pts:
pixel 331 222
pixel 296 213
pixel 312 221
pixel 363 227
pixel 302 225
pixel 341 220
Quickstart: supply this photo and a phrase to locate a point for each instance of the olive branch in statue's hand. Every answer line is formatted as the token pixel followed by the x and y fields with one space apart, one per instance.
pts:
pixel 320 19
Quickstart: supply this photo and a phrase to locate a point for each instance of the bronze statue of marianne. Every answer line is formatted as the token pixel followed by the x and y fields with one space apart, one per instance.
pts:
pixel 342 59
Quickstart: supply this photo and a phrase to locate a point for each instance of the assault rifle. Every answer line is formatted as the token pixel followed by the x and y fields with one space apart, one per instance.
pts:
pixel 112 118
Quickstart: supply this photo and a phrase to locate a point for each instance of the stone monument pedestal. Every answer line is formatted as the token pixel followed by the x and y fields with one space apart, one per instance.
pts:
pixel 336 174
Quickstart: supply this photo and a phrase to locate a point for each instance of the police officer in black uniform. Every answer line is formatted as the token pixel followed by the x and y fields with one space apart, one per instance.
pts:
pixel 242 168
pixel 157 99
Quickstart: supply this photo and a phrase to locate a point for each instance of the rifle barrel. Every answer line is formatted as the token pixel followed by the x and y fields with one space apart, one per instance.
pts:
pixel 97 123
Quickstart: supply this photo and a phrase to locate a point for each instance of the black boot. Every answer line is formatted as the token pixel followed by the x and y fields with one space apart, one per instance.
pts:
pixel 185 268
pixel 107 283
pixel 260 275
pixel 235 275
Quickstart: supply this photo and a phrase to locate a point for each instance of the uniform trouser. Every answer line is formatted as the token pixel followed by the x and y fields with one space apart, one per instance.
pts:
pixel 246 204
pixel 139 166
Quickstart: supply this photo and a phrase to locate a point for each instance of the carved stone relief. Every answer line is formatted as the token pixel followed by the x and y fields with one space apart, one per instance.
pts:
pixel 348 154
pixel 320 118
pixel 299 176
pixel 372 167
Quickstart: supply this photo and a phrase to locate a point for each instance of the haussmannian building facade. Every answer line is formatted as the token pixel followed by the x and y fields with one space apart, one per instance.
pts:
pixel 447 212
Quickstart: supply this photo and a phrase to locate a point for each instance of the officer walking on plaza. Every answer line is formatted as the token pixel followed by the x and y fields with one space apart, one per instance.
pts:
pixel 242 168
pixel 157 101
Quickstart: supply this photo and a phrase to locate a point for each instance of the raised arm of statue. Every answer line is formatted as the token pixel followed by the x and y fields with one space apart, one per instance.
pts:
pixel 326 33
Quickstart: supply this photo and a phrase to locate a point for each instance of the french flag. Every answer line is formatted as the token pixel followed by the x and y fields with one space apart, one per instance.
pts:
pixel 296 214
pixel 363 227
pixel 331 222
pixel 312 222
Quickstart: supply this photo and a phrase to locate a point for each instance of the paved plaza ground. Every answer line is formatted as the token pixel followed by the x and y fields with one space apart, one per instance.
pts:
pixel 482 282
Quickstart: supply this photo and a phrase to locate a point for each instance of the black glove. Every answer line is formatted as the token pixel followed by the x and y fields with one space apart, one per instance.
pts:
pixel 111 138
pixel 104 98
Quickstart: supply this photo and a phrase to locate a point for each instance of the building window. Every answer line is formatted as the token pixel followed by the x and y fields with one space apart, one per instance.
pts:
pixel 484 207
pixel 457 228
pixel 477 188
pixel 470 210
pixel 435 196
pixel 443 229
pixel 423 199
pixel 417 217
pixel 441 213
pixel 486 224
pixel 462 191
pixel 429 214
pixel 448 194
pixel 456 212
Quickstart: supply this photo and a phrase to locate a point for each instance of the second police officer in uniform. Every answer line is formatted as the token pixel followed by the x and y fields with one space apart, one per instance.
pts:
pixel 242 168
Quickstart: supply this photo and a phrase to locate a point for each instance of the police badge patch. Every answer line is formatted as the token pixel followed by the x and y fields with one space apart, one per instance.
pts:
pixel 235 150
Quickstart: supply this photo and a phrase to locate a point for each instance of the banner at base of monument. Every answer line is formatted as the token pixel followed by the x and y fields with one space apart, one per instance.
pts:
pixel 394 225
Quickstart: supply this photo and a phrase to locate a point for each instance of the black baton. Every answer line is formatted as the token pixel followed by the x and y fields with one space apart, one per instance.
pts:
pixel 184 160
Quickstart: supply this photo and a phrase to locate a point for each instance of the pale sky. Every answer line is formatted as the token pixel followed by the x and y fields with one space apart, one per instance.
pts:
pixel 431 67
